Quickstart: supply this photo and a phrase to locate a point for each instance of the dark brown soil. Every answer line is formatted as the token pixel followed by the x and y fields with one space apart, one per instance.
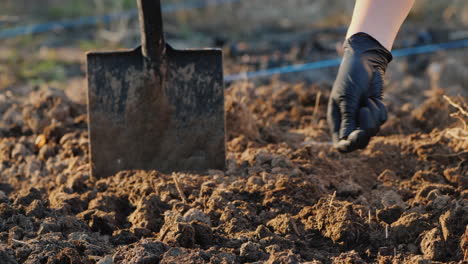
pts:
pixel 286 197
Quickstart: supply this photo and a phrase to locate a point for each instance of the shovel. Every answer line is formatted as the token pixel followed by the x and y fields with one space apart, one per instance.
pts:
pixel 154 107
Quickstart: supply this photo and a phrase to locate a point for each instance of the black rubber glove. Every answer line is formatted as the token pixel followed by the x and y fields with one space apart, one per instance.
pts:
pixel 355 110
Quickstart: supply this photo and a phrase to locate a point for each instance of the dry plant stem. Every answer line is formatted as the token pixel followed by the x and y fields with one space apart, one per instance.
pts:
pixel 331 199
pixel 21 242
pixel 448 155
pixel 386 231
pixel 316 108
pixel 370 218
pixel 459 107
pixel 179 189
pixel 296 230
pixel 459 116
pixel 72 163
pixel 452 134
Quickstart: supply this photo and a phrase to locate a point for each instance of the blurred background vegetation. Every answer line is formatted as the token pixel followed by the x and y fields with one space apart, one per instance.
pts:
pixel 237 19
pixel 58 56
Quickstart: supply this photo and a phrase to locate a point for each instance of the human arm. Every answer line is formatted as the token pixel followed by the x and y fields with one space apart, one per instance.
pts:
pixel 355 110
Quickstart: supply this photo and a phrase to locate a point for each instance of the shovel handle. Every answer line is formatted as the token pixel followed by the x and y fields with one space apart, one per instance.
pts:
pixel 151 29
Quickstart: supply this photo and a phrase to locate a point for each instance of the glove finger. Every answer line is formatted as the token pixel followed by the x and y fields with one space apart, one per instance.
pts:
pixel 372 124
pixel 383 111
pixel 358 139
pixel 367 122
pixel 377 85
pixel 334 120
pixel 349 115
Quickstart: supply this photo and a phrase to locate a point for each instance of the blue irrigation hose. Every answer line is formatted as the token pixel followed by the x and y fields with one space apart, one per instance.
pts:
pixel 336 62
pixel 94 20
pixel 66 24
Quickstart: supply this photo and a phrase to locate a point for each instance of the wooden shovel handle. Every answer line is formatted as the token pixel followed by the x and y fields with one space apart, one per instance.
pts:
pixel 151 28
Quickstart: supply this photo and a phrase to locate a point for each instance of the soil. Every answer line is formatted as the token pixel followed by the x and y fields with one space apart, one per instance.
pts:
pixel 286 197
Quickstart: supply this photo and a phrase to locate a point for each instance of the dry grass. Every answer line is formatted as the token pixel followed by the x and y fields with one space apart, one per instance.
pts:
pixel 462 115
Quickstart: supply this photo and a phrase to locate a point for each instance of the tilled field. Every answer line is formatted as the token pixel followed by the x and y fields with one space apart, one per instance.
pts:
pixel 286 197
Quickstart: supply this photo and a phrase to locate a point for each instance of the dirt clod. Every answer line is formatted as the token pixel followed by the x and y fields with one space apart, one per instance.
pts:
pixel 340 222
pixel 409 227
pixel 433 245
pixel 251 252
pixel 143 252
pixel 390 214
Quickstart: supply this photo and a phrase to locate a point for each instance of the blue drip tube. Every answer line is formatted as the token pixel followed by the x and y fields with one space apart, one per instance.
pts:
pixel 94 20
pixel 336 62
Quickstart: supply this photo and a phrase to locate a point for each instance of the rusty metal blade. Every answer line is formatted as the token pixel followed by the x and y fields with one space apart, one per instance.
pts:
pixel 168 116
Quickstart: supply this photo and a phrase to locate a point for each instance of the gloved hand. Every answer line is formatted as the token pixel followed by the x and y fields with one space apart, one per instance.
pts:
pixel 355 109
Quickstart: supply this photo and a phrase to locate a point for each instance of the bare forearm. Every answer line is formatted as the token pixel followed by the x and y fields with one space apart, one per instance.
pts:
pixel 381 19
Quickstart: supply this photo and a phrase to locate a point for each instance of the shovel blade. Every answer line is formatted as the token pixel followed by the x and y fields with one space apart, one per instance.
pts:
pixel 167 116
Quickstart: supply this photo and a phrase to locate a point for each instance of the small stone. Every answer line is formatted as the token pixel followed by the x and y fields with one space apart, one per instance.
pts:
pixel 40 141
